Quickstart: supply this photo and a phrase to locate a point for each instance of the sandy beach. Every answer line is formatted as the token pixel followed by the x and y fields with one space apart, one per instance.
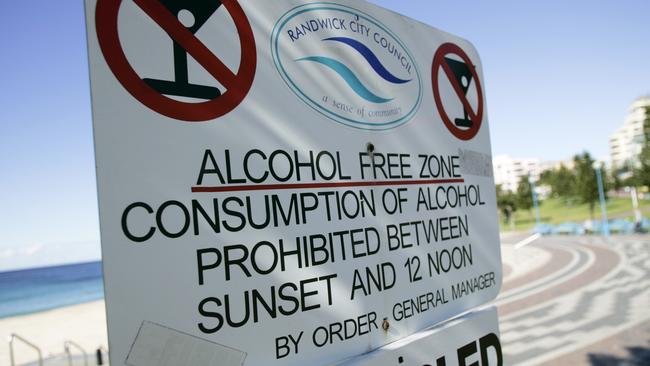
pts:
pixel 83 324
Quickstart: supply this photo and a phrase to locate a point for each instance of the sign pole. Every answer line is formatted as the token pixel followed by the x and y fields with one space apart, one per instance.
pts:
pixel 638 217
pixel 603 204
pixel 538 219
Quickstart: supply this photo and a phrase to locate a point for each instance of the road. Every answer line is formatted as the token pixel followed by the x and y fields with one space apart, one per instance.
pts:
pixel 576 301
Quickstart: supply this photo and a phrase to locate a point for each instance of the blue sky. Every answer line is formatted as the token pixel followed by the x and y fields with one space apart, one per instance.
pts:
pixel 559 78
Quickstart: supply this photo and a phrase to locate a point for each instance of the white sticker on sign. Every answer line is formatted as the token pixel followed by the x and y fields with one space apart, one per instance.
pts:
pixel 156 345
pixel 303 181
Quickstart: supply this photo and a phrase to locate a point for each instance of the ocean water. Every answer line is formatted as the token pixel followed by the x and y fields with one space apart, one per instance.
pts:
pixel 33 290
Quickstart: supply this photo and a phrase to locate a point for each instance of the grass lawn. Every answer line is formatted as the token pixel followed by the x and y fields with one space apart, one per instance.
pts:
pixel 556 211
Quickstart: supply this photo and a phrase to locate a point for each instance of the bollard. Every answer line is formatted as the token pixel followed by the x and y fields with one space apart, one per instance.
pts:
pixel 100 358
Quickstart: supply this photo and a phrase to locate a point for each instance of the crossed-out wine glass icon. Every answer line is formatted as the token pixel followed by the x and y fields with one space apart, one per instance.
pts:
pixel 193 14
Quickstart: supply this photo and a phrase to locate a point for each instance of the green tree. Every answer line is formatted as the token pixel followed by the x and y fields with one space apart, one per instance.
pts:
pixel 562 182
pixel 615 178
pixel 524 195
pixel 507 204
pixel 642 173
pixel 586 184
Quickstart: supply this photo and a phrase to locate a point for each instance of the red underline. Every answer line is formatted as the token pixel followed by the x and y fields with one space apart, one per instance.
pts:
pixel 277 187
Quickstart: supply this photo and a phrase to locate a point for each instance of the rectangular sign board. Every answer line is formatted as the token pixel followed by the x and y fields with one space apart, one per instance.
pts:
pixel 291 182
pixel 470 340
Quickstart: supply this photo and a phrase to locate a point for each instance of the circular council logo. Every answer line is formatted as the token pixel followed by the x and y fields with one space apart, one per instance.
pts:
pixel 347 66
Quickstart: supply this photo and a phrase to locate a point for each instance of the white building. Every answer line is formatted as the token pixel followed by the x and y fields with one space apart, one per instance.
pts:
pixel 626 143
pixel 508 171
pixel 556 164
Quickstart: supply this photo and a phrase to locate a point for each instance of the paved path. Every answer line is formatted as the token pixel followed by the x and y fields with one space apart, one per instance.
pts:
pixel 576 301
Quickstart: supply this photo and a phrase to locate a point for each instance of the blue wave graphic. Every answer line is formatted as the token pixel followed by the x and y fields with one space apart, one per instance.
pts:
pixel 372 59
pixel 349 77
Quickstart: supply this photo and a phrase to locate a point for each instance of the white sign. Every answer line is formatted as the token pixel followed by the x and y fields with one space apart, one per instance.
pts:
pixel 470 340
pixel 285 182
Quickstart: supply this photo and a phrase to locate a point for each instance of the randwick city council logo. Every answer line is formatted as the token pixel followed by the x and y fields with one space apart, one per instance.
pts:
pixel 347 65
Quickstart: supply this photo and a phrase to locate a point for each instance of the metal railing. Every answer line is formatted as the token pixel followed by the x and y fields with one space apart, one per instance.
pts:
pixel 15 337
pixel 66 347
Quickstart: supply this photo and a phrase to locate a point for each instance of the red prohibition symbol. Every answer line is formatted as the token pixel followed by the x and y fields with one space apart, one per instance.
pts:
pixel 460 74
pixel 237 84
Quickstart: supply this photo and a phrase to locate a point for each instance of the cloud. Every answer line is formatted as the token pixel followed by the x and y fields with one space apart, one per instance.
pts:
pixel 48 254
pixel 7 253
pixel 33 249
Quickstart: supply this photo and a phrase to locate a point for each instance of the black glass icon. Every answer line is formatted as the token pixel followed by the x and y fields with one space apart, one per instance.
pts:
pixel 201 10
pixel 463 75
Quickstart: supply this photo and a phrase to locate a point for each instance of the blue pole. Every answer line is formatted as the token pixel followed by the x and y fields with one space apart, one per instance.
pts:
pixel 535 201
pixel 603 204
